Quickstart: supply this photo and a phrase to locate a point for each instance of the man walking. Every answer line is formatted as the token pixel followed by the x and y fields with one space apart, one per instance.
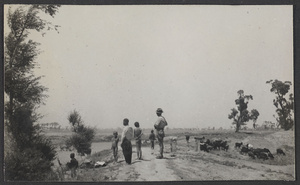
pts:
pixel 160 134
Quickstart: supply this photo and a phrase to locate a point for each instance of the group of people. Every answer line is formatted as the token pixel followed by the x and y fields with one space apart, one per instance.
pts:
pixel 128 134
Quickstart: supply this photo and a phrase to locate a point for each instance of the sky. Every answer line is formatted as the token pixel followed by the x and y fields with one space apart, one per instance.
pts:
pixel 116 62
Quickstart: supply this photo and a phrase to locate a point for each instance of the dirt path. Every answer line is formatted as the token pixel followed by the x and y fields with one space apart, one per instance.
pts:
pixel 147 169
pixel 190 165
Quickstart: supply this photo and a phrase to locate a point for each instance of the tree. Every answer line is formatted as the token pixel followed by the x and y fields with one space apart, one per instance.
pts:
pixel 241 115
pixel 29 155
pixel 277 121
pixel 83 136
pixel 284 106
pixel 75 120
pixel 55 125
pixel 254 115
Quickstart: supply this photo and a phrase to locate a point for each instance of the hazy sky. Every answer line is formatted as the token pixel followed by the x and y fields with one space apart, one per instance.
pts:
pixel 112 62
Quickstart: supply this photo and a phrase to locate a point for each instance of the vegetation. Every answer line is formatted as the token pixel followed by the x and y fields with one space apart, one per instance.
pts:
pixel 254 115
pixel 82 137
pixel 28 154
pixel 241 115
pixel 52 125
pixel 284 106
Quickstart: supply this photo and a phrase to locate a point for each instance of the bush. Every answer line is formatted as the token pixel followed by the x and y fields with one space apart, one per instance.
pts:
pixel 80 143
pixel 82 137
pixel 29 165
pixel 32 163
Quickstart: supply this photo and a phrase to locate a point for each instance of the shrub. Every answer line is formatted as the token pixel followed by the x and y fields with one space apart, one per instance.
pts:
pixel 82 137
pixel 29 165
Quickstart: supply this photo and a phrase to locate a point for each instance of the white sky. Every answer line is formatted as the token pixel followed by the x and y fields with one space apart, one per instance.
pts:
pixel 112 62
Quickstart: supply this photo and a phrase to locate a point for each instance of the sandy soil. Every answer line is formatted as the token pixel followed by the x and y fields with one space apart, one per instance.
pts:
pixel 186 164
pixel 147 169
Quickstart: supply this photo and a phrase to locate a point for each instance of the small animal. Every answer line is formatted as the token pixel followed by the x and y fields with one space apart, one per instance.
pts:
pixel 270 155
pixel 251 154
pixel 217 144
pixel 203 147
pixel 263 155
pixel 223 144
pixel 266 150
pixel 238 145
pixel 226 147
pixel 280 151
pixel 244 150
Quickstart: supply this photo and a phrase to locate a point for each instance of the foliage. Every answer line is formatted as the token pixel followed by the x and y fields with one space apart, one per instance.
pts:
pixel 75 120
pixel 82 137
pixel 53 125
pixel 268 124
pixel 30 154
pixel 241 115
pixel 254 115
pixel 284 106
pixel 30 163
pixel 29 159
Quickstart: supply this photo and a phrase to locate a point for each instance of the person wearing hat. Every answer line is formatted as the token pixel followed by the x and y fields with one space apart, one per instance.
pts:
pixel 160 134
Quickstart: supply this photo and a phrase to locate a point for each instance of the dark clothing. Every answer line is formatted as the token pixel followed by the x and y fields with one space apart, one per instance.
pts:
pixel 187 138
pixel 152 138
pixel 152 144
pixel 127 150
pixel 73 163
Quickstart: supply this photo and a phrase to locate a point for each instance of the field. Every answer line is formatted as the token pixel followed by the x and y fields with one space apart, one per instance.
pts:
pixel 186 164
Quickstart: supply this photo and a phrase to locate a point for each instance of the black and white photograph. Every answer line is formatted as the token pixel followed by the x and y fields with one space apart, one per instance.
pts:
pixel 117 93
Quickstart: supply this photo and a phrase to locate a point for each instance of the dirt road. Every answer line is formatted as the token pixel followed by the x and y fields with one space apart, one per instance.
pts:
pixel 190 165
pixel 147 169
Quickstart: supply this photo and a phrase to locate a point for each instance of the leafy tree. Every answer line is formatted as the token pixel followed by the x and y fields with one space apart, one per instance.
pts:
pixel 82 137
pixel 75 120
pixel 254 115
pixel 29 155
pixel 241 115
pixel 277 121
pixel 284 106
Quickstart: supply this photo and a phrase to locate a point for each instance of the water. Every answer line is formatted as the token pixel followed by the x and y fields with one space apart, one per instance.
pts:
pixel 100 146
pixel 64 156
